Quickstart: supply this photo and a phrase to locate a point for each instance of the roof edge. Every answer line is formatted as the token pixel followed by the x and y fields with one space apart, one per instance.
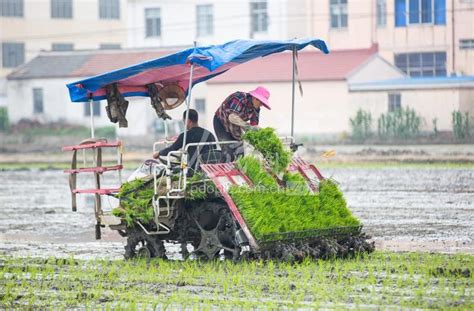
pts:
pixel 276 81
pixel 466 82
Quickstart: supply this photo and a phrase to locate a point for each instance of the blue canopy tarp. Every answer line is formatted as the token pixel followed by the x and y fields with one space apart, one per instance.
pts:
pixel 208 61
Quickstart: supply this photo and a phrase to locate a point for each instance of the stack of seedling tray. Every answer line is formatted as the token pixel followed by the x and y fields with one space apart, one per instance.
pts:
pixel 280 206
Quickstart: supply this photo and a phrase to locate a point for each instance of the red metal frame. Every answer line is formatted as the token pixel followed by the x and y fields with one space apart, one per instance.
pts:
pixel 99 169
pixel 92 146
pixel 102 191
pixel 96 146
pixel 299 165
pixel 228 170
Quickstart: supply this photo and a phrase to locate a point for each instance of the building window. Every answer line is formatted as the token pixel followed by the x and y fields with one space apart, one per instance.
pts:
pixel 110 46
pixel 62 46
pixel 205 20
pixel 258 16
pixel 381 13
pixel 61 8
pixel 95 108
pixel 466 44
pixel 13 54
pixel 394 102
pixel 420 12
pixel 11 8
pixel 153 22
pixel 38 101
pixel 109 9
pixel 338 9
pixel 427 64
pixel 200 104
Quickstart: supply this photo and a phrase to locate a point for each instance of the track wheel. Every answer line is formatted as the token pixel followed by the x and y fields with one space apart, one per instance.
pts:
pixel 141 245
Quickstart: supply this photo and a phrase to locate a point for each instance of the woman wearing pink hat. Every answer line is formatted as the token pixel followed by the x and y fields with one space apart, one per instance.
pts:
pixel 239 112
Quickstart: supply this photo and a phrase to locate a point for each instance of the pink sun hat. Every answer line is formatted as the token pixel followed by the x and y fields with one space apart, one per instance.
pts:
pixel 262 94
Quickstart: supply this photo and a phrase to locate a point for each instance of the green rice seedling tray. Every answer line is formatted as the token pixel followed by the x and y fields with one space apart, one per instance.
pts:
pixel 309 234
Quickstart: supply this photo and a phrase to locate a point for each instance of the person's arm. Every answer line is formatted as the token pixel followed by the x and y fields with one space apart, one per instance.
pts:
pixel 236 120
pixel 178 144
pixel 254 120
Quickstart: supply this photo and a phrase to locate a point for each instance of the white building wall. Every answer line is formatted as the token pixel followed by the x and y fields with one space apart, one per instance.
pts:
pixel 428 103
pixel 56 103
pixel 322 110
pixel 178 22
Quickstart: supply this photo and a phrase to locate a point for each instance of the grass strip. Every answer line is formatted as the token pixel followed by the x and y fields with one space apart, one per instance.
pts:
pixel 378 280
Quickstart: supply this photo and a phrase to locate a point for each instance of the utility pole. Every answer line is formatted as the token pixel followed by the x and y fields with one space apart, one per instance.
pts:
pixel 453 40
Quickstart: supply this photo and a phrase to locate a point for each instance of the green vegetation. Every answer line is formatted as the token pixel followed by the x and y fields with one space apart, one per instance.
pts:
pixel 4 121
pixel 135 202
pixel 267 142
pixel 361 126
pixel 54 129
pixel 136 197
pixel 435 127
pixel 105 131
pixel 377 281
pixel 199 187
pixel 273 212
pixel 399 124
pixel 461 128
pixel 295 182
pixel 255 171
pixel 268 209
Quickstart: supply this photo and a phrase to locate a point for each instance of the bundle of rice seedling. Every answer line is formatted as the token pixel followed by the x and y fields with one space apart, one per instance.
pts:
pixel 254 170
pixel 267 142
pixel 135 202
pixel 136 197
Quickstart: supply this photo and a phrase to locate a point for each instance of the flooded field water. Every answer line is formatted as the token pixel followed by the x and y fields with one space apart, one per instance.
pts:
pixel 403 209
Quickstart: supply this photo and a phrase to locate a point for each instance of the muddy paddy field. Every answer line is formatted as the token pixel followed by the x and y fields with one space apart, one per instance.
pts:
pixel 420 217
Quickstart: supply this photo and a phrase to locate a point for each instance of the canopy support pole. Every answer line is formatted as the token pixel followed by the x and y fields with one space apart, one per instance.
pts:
pixel 293 92
pixel 188 102
pixel 91 109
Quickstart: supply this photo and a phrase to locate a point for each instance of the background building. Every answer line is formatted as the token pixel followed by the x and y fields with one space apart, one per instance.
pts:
pixel 28 27
pixel 37 90
pixel 422 38
pixel 180 22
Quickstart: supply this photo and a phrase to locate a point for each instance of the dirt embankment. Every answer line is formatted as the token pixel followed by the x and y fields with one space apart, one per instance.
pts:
pixel 342 154
pixel 401 153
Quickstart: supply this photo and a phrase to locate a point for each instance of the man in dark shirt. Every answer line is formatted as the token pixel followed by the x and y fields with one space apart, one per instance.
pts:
pixel 195 134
